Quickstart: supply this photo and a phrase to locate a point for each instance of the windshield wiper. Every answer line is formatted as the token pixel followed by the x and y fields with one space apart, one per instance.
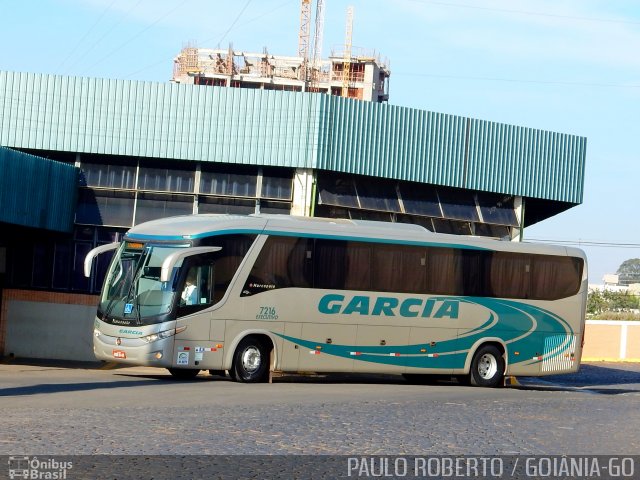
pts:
pixel 112 303
pixel 136 307
pixel 134 284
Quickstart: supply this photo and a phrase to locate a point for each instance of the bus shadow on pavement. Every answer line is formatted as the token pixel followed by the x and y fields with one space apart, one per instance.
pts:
pixel 606 379
pixel 47 388
pixel 317 378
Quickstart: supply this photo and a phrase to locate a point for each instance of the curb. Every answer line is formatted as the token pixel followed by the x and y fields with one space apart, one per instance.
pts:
pixel 511 381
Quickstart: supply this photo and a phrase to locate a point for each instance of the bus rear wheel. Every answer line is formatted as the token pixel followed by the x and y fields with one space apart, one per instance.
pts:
pixel 487 367
pixel 250 361
pixel 183 373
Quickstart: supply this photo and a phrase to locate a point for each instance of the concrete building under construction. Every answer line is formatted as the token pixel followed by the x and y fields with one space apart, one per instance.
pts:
pixel 365 75
pixel 351 72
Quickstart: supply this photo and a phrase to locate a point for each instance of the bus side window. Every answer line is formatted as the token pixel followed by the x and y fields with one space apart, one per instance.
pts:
pixel 555 277
pixel 330 264
pixel 444 271
pixel 300 264
pixel 358 273
pixel 225 269
pixel 189 295
pixel 198 289
pixel 509 275
pixel 283 262
pixel 398 268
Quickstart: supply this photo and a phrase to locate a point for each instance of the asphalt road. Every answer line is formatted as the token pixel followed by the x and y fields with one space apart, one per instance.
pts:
pixel 71 410
pixel 49 409
pixel 120 419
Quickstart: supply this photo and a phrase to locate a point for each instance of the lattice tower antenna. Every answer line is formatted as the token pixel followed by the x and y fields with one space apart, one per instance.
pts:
pixel 316 63
pixel 346 63
pixel 303 36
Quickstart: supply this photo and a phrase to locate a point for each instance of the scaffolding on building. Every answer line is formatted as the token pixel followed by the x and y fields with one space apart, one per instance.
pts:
pixel 367 75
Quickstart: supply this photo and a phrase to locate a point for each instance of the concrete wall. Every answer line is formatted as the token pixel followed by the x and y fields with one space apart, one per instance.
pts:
pixel 47 325
pixel 613 340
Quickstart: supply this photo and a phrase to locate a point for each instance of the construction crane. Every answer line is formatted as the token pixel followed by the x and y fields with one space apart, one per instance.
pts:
pixel 346 61
pixel 316 63
pixel 303 37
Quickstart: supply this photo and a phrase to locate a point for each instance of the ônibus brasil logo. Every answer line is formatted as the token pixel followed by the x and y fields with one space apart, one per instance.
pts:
pixel 38 468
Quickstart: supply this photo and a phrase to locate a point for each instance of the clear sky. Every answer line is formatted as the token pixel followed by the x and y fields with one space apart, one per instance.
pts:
pixel 571 66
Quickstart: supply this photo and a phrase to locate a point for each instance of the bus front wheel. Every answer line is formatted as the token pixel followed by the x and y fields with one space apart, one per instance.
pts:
pixel 487 367
pixel 250 361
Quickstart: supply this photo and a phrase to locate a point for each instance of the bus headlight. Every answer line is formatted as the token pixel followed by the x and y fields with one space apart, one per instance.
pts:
pixel 162 335
pixel 96 332
pixel 151 338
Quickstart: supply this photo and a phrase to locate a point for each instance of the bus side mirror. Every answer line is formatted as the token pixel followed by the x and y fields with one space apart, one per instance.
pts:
pixel 94 253
pixel 171 261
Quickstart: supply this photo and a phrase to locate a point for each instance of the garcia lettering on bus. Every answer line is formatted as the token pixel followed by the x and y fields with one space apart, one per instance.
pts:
pixel 332 304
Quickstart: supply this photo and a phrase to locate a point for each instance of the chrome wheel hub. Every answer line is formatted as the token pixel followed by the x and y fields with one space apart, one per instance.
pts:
pixel 487 366
pixel 251 359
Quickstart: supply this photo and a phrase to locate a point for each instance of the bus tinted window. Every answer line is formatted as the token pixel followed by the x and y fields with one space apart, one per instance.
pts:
pixel 358 266
pixel 555 277
pixel 508 275
pixel 398 268
pixel 474 264
pixel 227 262
pixel 346 265
pixel 444 266
pixel 330 264
pixel 283 262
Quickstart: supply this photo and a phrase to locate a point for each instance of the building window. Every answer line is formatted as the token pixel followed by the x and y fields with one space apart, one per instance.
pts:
pixel 62 266
pixel 166 180
pixel 276 184
pixel 378 194
pixel 497 209
pixel 42 265
pixel 152 206
pixel 270 206
pixel 235 206
pixel 458 205
pixel 336 190
pixel 78 281
pixel 108 176
pixel 420 200
pixel 103 207
pixel 234 183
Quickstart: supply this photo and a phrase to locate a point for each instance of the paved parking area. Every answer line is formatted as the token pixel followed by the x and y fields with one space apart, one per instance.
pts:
pixel 57 410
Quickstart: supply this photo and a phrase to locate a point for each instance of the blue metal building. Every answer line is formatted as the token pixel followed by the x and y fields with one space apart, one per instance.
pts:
pixel 132 151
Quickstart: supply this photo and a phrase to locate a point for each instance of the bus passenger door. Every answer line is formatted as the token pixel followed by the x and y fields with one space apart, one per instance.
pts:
pixel 195 346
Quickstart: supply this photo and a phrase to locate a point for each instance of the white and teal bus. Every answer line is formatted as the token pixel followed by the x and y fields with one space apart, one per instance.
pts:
pixel 260 293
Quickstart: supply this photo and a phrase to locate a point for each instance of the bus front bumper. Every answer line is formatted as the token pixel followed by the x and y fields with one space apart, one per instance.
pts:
pixel 133 351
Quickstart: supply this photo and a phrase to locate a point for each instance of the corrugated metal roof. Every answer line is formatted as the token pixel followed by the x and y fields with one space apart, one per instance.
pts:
pixel 36 192
pixel 276 128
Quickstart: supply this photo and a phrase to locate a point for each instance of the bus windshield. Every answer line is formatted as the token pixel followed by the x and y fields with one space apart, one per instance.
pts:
pixel 133 290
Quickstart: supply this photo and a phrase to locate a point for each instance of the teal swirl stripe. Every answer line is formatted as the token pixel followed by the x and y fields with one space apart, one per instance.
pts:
pixel 521 327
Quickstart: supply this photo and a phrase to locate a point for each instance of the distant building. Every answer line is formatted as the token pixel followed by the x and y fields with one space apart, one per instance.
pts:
pixel 610 279
pixel 365 76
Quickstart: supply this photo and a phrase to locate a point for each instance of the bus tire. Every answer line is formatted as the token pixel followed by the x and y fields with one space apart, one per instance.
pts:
pixel 250 361
pixel 183 373
pixel 487 367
